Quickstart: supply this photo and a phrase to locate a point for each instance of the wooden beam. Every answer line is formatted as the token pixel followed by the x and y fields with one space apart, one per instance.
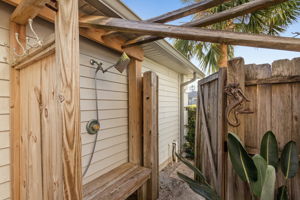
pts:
pixel 150 139
pixel 113 43
pixel 231 13
pixel 189 33
pixel 27 9
pixel 67 58
pixel 15 110
pixel 182 12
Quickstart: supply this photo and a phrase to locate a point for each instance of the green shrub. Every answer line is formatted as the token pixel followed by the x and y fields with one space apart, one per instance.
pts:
pixel 189 146
pixel 259 171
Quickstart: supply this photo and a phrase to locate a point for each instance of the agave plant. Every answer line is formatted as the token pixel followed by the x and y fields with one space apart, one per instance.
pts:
pixel 259 171
pixel 199 186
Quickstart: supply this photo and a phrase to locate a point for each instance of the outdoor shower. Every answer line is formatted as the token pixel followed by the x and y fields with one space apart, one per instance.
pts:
pixel 93 126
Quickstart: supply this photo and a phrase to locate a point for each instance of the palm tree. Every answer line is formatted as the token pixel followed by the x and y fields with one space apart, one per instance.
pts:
pixel 271 21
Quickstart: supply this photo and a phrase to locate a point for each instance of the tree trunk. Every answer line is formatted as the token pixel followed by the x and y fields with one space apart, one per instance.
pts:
pixel 223 60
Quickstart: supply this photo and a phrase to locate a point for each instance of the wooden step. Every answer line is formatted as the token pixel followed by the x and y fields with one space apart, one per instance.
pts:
pixel 118 184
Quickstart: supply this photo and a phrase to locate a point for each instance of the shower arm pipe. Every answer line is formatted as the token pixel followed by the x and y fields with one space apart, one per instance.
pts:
pixel 182 85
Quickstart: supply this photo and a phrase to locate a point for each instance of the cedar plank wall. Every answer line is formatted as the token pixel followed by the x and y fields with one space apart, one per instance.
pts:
pixel 169 112
pixel 5 11
pixel 276 108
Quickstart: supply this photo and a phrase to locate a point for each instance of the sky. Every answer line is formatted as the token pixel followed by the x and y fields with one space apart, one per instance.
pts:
pixel 151 8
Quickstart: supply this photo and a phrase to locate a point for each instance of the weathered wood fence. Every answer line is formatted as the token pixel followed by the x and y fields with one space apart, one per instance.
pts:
pixel 274 104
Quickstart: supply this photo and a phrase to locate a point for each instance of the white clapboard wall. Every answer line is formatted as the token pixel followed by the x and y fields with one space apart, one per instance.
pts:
pixel 112 89
pixel 5 11
pixel 169 112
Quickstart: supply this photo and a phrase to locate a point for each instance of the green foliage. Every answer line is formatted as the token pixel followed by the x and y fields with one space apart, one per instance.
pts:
pixel 271 21
pixel 261 165
pixel 264 165
pixel 189 146
pixel 200 187
pixel 242 163
pixel 269 149
pixel 268 188
pixel 289 160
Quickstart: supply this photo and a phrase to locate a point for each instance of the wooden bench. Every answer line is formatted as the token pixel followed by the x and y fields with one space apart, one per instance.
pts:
pixel 117 184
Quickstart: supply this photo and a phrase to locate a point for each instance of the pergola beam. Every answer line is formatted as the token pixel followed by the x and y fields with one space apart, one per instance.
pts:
pixel 190 33
pixel 231 13
pixel 186 11
pixel 179 13
pixel 27 9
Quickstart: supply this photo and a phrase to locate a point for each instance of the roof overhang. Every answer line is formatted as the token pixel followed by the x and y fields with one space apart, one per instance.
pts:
pixel 159 51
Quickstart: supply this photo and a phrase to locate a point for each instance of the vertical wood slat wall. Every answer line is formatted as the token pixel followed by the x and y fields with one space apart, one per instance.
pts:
pixel 276 108
pixel 275 103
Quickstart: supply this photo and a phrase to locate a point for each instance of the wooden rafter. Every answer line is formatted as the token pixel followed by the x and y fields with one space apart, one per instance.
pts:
pixel 182 12
pixel 27 9
pixel 113 43
pixel 241 10
pixel 190 33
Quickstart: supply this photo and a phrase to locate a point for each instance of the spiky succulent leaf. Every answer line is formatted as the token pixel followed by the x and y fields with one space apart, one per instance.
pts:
pixel 261 165
pixel 242 163
pixel 204 190
pixel 289 160
pixel 268 188
pixel 282 193
pixel 269 149
pixel 202 178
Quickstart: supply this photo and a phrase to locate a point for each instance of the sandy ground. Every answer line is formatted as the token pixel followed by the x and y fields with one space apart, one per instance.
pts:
pixel 172 187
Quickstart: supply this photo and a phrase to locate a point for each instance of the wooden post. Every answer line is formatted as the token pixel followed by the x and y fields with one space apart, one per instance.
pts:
pixel 67 58
pixel 221 132
pixel 135 112
pixel 235 74
pixel 135 104
pixel 150 108
pixel 15 110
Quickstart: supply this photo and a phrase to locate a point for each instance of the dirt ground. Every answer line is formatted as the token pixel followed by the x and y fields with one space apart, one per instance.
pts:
pixel 172 187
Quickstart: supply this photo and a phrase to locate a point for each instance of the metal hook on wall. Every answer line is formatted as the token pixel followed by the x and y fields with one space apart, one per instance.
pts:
pixel 37 41
pixel 24 50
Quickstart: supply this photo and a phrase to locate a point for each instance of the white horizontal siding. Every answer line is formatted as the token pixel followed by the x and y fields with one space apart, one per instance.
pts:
pixel 168 107
pixel 5 12
pixel 112 90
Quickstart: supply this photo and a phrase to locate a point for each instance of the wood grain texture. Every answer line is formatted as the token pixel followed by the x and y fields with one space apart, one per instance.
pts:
pixel 116 44
pixel 51 119
pixel 31 142
pixel 117 184
pixel 27 9
pixel 15 112
pixel 150 136
pixel 190 33
pixel 67 58
pixel 135 112
pixel 112 42
pixel 181 12
pixel 211 19
pixel 221 133
pixel 235 74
